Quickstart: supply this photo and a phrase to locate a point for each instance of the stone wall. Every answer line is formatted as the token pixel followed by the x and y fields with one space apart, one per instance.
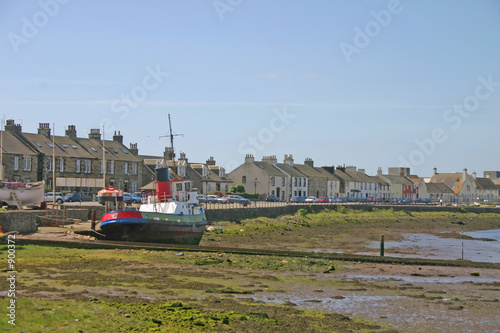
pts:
pixel 238 214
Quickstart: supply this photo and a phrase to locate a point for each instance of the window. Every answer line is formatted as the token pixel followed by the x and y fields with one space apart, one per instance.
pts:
pixel 112 167
pixel 125 168
pixel 135 167
pixel 178 187
pixel 16 163
pixel 133 187
pixel 49 144
pixel 78 166
pixel 113 150
pixel 49 163
pixel 87 166
pixel 93 149
pixel 244 179
pixel 283 181
pixel 74 146
pixel 124 150
pixel 101 168
pixel 61 165
pixel 39 145
pixel 188 187
pixel 64 145
pixel 295 183
pixel 300 182
pixel 272 181
pixel 27 163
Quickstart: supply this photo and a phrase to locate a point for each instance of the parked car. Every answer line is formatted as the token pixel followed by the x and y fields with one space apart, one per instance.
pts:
pixel 129 198
pixel 213 198
pixel 324 199
pixel 238 199
pixel 202 198
pixel 297 199
pixel 272 198
pixel 73 197
pixel 223 199
pixel 311 199
pixel 49 197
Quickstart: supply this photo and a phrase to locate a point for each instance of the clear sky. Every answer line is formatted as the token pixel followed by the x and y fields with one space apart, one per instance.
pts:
pixel 365 83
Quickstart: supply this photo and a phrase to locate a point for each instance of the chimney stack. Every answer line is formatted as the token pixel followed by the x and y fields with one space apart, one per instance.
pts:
pixel 12 127
pixel 118 138
pixel 95 134
pixel 71 132
pixel 133 149
pixel 44 129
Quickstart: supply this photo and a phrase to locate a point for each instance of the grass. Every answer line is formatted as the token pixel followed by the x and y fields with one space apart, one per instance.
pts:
pixel 73 290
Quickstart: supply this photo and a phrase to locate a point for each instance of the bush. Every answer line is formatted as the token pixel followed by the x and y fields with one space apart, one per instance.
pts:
pixel 302 212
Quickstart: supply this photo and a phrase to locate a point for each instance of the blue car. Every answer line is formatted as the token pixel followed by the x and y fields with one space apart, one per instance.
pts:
pixel 272 198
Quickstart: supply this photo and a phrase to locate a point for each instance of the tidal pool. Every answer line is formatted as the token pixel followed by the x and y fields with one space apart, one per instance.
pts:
pixel 434 247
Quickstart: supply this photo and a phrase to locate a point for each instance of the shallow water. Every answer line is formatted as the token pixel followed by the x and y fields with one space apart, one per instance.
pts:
pixel 434 247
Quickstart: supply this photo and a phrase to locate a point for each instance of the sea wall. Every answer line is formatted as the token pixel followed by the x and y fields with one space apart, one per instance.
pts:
pixel 238 214
pixel 28 221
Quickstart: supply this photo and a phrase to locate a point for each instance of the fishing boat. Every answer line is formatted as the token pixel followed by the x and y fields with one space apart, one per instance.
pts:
pixel 170 215
pixel 20 194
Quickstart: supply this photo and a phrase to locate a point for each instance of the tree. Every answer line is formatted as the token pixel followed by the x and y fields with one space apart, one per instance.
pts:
pixel 237 189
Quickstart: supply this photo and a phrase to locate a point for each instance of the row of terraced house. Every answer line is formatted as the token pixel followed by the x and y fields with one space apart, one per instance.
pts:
pixel 78 167
pixel 289 179
pixel 28 157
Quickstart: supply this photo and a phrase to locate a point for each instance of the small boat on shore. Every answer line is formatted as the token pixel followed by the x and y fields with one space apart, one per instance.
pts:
pixel 170 216
pixel 20 194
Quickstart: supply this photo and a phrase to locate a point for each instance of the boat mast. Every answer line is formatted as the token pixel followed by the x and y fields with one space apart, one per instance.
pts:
pixel 171 140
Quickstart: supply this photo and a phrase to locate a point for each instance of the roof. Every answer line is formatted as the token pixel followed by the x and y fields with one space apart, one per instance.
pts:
pixel 292 171
pixel 398 180
pixel 439 188
pixel 64 147
pixel 327 174
pixel 344 176
pixel 269 169
pixel 12 145
pixel 485 184
pixel 114 150
pixel 454 181
pixel 309 171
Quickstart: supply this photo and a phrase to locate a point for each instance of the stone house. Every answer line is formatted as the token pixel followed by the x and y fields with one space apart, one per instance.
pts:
pixel 261 177
pixel 462 184
pixel 438 191
pixel 297 181
pixel 486 189
pixel 209 177
pixel 400 185
pixel 19 160
pixel 78 161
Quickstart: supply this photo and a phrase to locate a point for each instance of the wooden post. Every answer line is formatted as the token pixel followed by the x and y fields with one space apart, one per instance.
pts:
pixel 93 218
pixel 382 249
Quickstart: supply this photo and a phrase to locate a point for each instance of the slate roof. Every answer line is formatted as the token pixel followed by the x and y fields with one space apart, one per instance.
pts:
pixel 485 184
pixel 438 188
pixel 115 150
pixel 270 169
pixel 291 170
pixel 12 145
pixel 398 180
pixel 64 147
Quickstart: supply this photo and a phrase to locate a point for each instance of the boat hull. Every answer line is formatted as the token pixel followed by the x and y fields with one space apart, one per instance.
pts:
pixel 154 227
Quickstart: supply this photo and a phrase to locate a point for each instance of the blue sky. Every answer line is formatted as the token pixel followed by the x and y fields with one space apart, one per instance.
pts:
pixel 365 83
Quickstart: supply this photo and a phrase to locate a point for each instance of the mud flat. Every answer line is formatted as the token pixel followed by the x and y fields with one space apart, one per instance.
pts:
pixel 112 290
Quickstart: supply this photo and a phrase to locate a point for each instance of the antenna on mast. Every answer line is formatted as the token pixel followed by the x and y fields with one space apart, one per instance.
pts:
pixel 171 135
